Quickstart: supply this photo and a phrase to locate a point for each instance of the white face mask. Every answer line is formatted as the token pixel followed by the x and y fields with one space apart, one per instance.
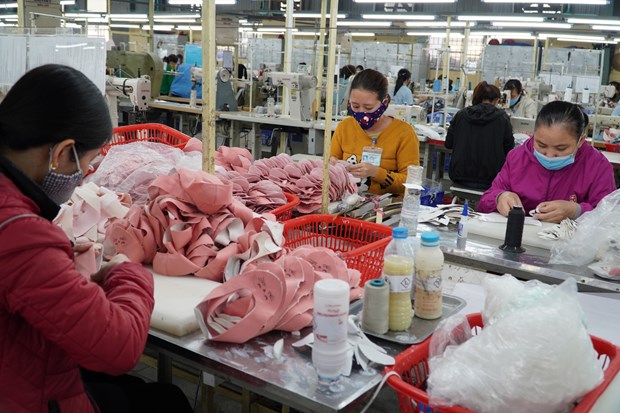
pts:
pixel 60 187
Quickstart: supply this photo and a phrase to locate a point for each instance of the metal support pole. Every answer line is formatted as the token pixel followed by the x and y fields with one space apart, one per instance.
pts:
pixel 288 53
pixel 21 13
pixel 329 99
pixel 208 86
pixel 151 14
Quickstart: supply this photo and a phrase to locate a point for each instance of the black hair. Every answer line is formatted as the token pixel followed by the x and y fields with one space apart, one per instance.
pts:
pixel 165 59
pixel 173 58
pixel 514 84
pixel 52 103
pixel 360 67
pixel 566 114
pixel 403 76
pixel 483 91
pixel 347 71
pixel 372 81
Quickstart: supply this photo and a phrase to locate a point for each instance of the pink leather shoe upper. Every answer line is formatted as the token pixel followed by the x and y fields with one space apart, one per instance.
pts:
pixel 271 295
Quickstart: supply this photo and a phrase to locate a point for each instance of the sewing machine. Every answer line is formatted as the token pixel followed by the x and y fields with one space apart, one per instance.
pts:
pixel 225 99
pixel 406 113
pixel 138 90
pixel 301 88
pixel 125 64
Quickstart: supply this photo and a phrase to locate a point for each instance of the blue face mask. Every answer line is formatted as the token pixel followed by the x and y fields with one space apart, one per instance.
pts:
pixel 514 100
pixel 557 163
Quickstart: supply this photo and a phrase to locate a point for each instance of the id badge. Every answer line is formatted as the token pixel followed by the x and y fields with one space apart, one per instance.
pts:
pixel 372 155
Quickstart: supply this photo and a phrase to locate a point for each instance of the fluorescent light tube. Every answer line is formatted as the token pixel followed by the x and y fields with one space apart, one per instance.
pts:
pixel 388 17
pixel 125 26
pixel 128 16
pixel 591 21
pixel 608 28
pixel 364 24
pixel 502 18
pixel 408 1
pixel 8 6
pixel 67 2
pixel 436 24
pixel 315 15
pixel 531 24
pixel 572 39
pixel 192 28
pixel 362 34
pixel 504 35
pixel 585 2
pixel 453 35
pixel 572 36
pixel 177 16
pixel 162 27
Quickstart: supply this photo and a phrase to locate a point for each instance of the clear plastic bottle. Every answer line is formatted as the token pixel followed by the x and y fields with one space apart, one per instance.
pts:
pixel 410 211
pixel 411 199
pixel 398 267
pixel 428 269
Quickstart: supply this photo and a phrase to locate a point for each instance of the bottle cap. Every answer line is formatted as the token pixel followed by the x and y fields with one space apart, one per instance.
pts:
pixel 430 239
pixel 400 233
pixel 377 283
pixel 465 210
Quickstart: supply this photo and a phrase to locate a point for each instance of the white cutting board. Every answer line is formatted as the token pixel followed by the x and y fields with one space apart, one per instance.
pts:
pixel 175 299
pixel 498 231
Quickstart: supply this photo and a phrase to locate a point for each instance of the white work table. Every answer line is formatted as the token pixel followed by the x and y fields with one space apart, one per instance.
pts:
pixel 613 158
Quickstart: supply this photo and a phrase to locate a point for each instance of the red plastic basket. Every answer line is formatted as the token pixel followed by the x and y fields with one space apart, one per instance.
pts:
pixel 285 212
pixel 360 243
pixel 412 366
pixel 612 147
pixel 146 132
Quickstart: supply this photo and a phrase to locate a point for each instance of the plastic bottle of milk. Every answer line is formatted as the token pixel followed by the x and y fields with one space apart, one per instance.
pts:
pixel 398 273
pixel 428 268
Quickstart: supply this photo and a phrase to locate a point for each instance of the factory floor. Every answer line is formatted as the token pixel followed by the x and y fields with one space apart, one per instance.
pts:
pixel 228 399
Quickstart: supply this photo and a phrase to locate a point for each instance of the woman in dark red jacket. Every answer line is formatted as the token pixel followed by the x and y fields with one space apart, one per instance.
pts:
pixel 52 319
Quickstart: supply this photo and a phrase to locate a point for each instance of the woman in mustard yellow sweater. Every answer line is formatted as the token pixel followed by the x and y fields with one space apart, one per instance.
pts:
pixel 379 148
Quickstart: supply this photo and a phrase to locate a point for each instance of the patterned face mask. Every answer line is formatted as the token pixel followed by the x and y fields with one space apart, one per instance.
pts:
pixel 60 187
pixel 367 119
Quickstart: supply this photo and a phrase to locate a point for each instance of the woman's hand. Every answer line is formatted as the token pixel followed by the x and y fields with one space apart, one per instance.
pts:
pixel 364 170
pixel 333 160
pixel 556 211
pixel 506 201
pixel 100 275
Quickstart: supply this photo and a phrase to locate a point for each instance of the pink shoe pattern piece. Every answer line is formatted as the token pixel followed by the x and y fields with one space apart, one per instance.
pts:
pixel 194 225
pixel 84 219
pixel 271 295
pixel 303 179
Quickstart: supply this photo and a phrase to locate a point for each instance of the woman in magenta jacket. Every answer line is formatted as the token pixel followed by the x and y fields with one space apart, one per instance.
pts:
pixel 53 320
pixel 555 172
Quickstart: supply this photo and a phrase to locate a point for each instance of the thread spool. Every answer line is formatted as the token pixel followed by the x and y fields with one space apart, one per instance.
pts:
pixel 375 313
pixel 514 230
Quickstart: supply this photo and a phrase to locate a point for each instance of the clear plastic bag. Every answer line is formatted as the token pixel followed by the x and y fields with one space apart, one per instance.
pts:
pixel 453 331
pixel 130 168
pixel 598 232
pixel 536 357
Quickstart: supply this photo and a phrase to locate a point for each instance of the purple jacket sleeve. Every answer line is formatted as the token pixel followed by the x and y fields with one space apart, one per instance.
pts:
pixel 501 183
pixel 601 187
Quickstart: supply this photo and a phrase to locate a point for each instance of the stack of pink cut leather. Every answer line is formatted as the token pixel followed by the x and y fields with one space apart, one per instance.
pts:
pixel 304 179
pixel 271 296
pixel 261 196
pixel 194 225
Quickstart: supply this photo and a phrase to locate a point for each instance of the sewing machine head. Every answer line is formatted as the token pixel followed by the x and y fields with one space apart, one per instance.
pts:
pixel 138 90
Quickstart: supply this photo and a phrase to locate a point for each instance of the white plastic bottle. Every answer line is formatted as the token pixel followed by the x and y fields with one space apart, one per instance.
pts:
pixel 331 311
pixel 428 269
pixel 398 267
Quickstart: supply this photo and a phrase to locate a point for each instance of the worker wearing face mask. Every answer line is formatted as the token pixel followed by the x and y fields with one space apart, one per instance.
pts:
pixel 554 172
pixel 520 105
pixel 378 148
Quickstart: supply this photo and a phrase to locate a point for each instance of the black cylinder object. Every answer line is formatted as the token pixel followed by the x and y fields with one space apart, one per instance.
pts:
pixel 514 230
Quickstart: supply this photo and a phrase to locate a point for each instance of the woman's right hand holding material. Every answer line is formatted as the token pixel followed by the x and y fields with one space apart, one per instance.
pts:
pixel 505 202
pixel 100 275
